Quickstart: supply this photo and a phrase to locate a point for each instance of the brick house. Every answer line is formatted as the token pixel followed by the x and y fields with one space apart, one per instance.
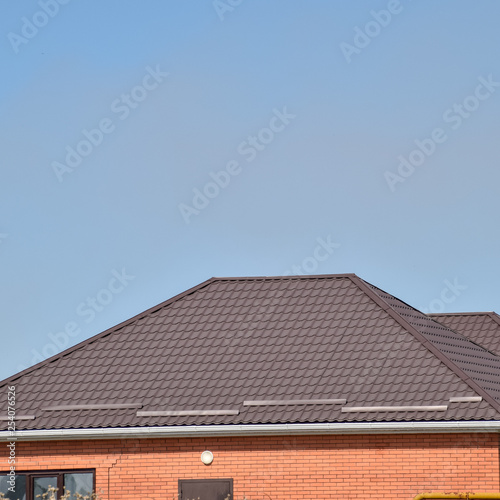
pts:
pixel 319 387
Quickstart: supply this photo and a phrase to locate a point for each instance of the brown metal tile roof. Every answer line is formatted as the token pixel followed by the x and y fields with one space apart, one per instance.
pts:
pixel 196 358
pixel 480 327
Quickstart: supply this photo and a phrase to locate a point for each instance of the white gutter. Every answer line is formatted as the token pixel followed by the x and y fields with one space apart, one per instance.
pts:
pixel 253 430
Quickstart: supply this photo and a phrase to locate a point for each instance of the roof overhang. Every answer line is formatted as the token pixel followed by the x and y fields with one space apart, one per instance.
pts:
pixel 253 430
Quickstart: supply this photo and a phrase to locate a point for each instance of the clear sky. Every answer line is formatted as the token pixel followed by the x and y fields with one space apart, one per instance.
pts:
pixel 147 146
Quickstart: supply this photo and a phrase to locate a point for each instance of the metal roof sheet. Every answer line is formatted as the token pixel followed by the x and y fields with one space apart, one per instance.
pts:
pixel 480 327
pixel 231 340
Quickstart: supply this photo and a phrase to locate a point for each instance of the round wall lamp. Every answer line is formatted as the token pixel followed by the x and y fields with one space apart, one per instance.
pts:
pixel 207 457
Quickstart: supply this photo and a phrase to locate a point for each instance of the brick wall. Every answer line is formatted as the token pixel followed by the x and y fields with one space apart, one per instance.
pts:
pixel 388 467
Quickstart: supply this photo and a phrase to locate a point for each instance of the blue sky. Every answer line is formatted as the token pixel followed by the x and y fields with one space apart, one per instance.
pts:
pixel 148 146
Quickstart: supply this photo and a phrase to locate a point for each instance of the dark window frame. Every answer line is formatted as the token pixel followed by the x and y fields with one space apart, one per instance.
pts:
pixel 59 473
pixel 208 480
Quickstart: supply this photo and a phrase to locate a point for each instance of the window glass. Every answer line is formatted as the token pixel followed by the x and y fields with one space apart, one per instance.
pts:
pixel 41 486
pixel 19 492
pixel 79 482
pixel 35 484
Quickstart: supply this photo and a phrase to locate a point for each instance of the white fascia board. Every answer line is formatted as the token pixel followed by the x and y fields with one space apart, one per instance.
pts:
pixel 253 430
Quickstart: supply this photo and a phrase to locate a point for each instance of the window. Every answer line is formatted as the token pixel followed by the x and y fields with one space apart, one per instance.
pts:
pixel 79 482
pixel 19 488
pixel 205 489
pixel 30 485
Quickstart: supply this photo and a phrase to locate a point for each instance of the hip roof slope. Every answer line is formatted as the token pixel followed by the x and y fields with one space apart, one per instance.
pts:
pixel 199 358
pixel 482 328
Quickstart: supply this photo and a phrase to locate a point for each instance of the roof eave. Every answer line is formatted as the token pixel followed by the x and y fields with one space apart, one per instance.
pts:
pixel 253 430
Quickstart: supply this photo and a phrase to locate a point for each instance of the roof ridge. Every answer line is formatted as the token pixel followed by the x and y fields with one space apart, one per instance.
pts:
pixel 494 316
pixel 108 331
pixel 478 313
pixel 365 287
pixel 283 277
